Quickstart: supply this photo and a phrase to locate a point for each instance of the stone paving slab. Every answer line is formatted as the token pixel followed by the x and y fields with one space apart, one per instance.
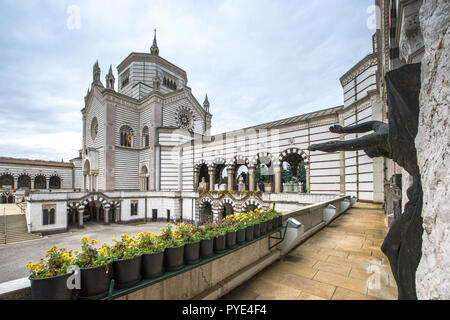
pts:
pixel 342 262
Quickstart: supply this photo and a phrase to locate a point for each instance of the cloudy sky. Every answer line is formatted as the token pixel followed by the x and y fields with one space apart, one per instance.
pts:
pixel 258 60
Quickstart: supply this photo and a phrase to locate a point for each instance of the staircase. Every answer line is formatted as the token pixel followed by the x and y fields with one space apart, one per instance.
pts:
pixel 16 229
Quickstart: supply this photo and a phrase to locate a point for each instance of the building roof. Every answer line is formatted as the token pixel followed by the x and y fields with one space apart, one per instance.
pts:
pixel 35 162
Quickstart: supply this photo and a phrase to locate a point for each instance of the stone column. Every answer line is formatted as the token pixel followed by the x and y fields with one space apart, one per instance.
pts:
pixel 230 173
pixel 117 212
pixel 106 212
pixel 196 181
pixel 47 185
pixel 212 178
pixel 278 178
pixel 84 182
pixel 16 182
pixel 80 217
pixel 251 179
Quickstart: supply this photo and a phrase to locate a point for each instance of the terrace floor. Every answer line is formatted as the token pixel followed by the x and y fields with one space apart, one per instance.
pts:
pixel 341 262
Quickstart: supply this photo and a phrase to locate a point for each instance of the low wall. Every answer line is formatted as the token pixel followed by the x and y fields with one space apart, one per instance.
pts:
pixel 215 277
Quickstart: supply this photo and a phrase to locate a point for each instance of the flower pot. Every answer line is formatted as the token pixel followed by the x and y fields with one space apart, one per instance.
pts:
pixel 220 243
pixel 152 265
pixel 240 236
pixel 267 187
pixel 192 253
pixel 249 233
pixel 95 282
pixel 269 225
pixel 51 288
pixel 256 230
pixel 263 227
pixel 127 272
pixel 231 240
pixel 280 221
pixel 174 258
pixel 207 248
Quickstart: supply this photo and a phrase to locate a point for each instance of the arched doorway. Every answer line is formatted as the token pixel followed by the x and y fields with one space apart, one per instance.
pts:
pixel 293 172
pixel 206 211
pixel 203 177
pixel 264 172
pixel 227 210
pixel 7 197
pixel 40 183
pixel 24 182
pixel 6 181
pixel 144 179
pixel 55 183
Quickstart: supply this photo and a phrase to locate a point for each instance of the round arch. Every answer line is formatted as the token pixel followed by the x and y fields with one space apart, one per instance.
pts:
pixel 250 205
pixel 24 182
pixel 206 210
pixel 226 207
pixel 40 182
pixel 7 180
pixel 55 182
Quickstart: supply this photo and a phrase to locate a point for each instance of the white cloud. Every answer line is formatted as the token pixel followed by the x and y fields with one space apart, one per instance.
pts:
pixel 258 60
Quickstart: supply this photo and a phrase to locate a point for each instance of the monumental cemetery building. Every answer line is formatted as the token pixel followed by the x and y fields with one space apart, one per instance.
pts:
pixel 148 154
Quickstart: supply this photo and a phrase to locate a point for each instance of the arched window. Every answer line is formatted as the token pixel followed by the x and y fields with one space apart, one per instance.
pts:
pixel 55 182
pixel 24 182
pixel 40 183
pixel 126 137
pixel 7 181
pixel 94 128
pixel 146 137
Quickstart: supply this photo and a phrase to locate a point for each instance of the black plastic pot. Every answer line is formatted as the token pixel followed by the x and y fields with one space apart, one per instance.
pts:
pixel 95 282
pixel 152 265
pixel 51 288
pixel 231 240
pixel 269 225
pixel 256 230
pixel 220 243
pixel 192 252
pixel 280 221
pixel 264 227
pixel 174 258
pixel 207 248
pixel 127 272
pixel 240 236
pixel 249 233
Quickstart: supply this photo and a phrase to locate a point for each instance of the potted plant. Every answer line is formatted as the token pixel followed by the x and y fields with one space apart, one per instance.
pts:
pixel 174 253
pixel 231 236
pixel 96 270
pixel 49 278
pixel 152 249
pixel 127 261
pixel 191 237
pixel 220 239
pixel 206 240
pixel 255 218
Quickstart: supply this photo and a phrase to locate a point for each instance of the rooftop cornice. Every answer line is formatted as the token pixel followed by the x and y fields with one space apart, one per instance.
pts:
pixel 147 57
pixel 369 61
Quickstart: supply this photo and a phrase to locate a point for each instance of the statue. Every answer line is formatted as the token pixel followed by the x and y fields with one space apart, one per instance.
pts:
pixel 395 140
pixel 241 184
pixel 203 185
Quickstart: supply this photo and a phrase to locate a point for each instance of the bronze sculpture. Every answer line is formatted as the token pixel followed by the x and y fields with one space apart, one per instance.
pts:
pixel 395 140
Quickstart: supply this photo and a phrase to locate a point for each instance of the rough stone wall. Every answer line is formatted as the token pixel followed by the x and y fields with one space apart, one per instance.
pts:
pixel 433 141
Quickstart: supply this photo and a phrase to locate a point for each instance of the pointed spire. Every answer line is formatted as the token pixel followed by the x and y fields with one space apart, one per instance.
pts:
pixel 96 74
pixel 110 79
pixel 110 73
pixel 154 50
pixel 206 103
